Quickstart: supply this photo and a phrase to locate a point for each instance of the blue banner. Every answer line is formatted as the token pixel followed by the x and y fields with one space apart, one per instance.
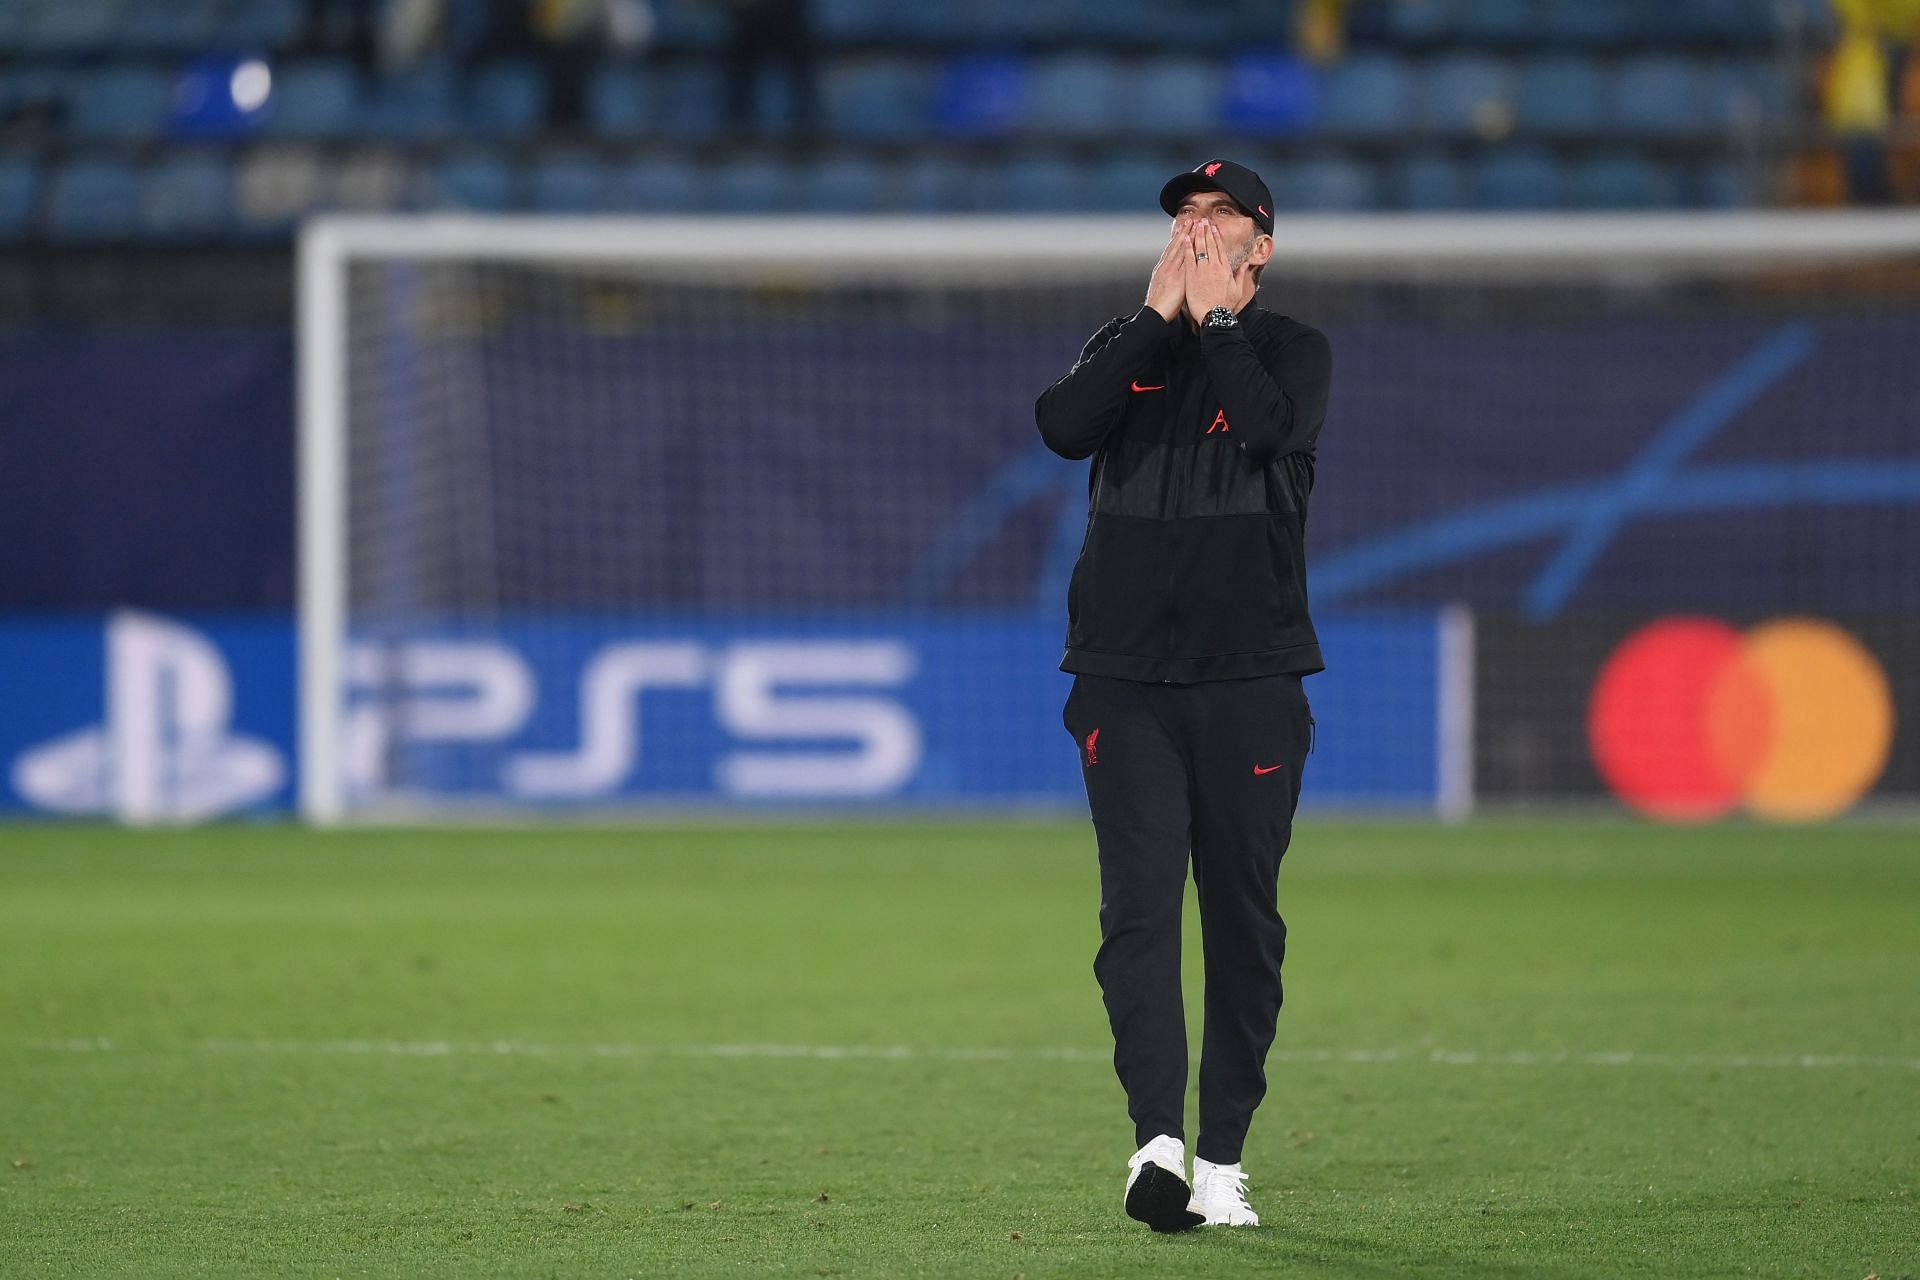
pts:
pixel 150 718
pixel 145 718
pixel 1611 459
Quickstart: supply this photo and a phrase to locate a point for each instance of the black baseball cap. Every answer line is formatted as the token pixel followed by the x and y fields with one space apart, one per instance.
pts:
pixel 1238 181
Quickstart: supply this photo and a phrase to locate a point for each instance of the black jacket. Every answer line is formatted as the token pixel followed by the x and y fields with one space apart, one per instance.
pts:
pixel 1194 564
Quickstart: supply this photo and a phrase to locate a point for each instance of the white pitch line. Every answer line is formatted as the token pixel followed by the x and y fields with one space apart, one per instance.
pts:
pixel 909 1053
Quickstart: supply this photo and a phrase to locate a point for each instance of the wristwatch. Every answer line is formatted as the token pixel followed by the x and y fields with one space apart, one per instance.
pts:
pixel 1221 318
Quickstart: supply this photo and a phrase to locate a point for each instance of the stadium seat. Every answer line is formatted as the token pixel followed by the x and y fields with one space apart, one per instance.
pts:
pixel 1717 23
pixel 15 17
pixel 470 179
pixel 1560 95
pixel 1327 184
pixel 420 103
pixel 1270 93
pixel 372 180
pixel 774 102
pixel 1427 182
pixel 1368 95
pixel 92 200
pixel 188 197
pixel 1498 24
pixel 38 92
pixel 1172 97
pixel 19 195
pixel 876 97
pixel 687 101
pixel 1421 22
pixel 1658 94
pixel 755 184
pixel 1591 24
pixel 1731 184
pixel 1516 179
pixel 1620 180
pixel 262 25
pixel 168 26
pixel 1131 183
pixel 1191 27
pixel 617 102
pixel 566 182
pixel 657 184
pixel 843 184
pixel 850 21
pixel 125 104
pixel 1744 93
pixel 1119 21
pixel 1468 95
pixel 1822 24
pixel 1078 95
pixel 984 23
pixel 987 23
pixel 689 24
pixel 935 184
pixel 1035 21
pixel 1044 182
pixel 466 26
pixel 933 25
pixel 982 94
pixel 317 99
pixel 276 186
pixel 506 99
pixel 70 26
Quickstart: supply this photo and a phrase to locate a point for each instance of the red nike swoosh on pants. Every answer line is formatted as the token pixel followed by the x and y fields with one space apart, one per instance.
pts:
pixel 1258 772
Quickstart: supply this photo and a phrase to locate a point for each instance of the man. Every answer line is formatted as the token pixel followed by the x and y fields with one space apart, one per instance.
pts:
pixel 765 36
pixel 1188 636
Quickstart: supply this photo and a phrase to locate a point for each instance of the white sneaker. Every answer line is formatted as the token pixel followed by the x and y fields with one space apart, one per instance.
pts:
pixel 1220 1195
pixel 1157 1190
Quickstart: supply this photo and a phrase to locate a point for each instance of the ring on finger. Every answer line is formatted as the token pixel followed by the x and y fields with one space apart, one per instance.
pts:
pixel 1199 257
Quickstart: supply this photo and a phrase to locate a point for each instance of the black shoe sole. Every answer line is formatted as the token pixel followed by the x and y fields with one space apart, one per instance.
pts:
pixel 1159 1198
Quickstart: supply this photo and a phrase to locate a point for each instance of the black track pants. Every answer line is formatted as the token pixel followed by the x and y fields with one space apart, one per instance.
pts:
pixel 1212 770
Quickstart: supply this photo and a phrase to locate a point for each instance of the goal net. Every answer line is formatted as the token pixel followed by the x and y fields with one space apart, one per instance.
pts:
pixel 610 515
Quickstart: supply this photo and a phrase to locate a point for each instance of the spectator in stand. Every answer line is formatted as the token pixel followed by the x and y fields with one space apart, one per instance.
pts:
pixel 568 37
pixel 766 33
pixel 1906 152
pixel 572 35
pixel 1862 82
pixel 1900 19
pixel 344 26
pixel 1320 30
pixel 409 30
pixel 385 38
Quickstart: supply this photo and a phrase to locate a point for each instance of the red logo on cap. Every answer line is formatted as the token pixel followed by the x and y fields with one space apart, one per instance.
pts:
pixel 1213 168
pixel 1263 211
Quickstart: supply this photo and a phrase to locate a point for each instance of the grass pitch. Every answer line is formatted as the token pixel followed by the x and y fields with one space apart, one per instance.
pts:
pixel 1509 1050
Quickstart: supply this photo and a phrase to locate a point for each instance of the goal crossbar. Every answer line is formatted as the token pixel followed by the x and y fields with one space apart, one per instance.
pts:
pixel 939 250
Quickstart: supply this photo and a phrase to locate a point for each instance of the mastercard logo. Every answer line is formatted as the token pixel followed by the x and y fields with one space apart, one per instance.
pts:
pixel 1692 719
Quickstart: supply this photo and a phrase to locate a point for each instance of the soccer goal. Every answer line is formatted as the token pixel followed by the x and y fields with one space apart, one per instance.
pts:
pixel 623 515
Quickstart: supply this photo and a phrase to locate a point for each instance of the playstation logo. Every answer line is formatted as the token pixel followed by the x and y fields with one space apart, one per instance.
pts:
pixel 166 752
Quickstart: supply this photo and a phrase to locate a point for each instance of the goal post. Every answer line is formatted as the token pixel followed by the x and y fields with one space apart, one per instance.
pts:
pixel 321 507
pixel 616 514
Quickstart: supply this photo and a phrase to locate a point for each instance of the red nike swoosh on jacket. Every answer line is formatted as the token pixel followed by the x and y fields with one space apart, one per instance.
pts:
pixel 1138 387
pixel 1258 772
